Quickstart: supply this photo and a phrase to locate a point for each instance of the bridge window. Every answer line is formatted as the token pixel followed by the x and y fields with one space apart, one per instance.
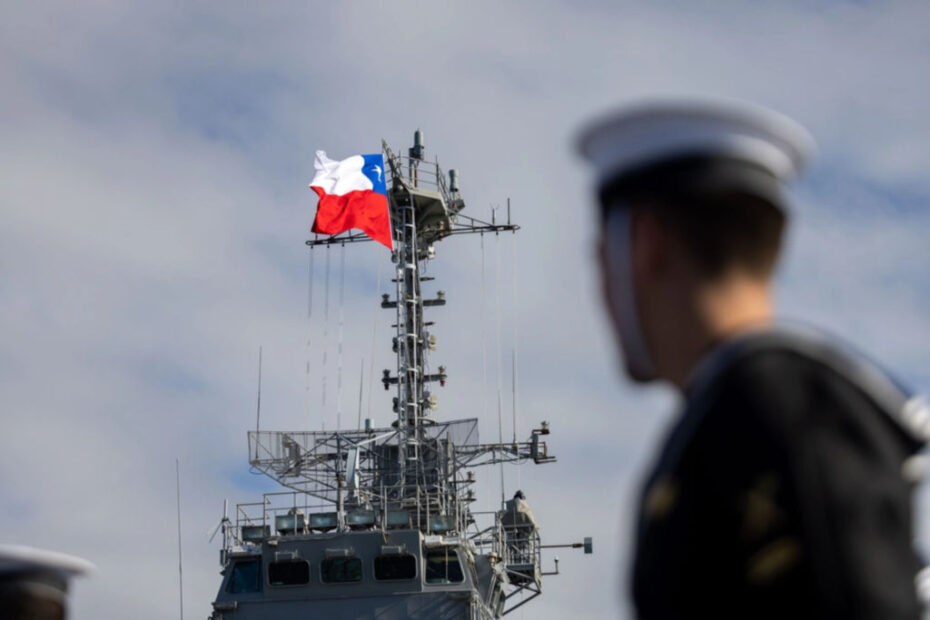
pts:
pixel 245 577
pixel 292 573
pixel 442 566
pixel 397 566
pixel 341 570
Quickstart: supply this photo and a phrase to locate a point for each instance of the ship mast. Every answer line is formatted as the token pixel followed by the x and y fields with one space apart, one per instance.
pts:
pixel 411 482
pixel 418 466
pixel 425 208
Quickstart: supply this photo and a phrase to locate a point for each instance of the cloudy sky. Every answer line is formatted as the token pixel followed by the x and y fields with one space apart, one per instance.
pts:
pixel 153 208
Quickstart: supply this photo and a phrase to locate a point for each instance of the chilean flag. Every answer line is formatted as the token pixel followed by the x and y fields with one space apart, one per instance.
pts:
pixel 352 195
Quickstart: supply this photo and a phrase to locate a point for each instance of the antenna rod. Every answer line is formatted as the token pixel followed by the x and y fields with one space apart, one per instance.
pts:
pixel 342 287
pixel 177 465
pixel 309 334
pixel 500 411
pixel 361 383
pixel 258 408
pixel 325 369
pixel 513 291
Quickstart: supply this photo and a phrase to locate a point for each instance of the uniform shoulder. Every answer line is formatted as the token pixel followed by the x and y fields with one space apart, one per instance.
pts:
pixel 791 385
pixel 775 374
pixel 771 387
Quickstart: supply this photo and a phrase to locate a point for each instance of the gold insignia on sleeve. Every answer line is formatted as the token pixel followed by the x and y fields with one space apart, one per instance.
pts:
pixel 661 498
pixel 760 512
pixel 773 560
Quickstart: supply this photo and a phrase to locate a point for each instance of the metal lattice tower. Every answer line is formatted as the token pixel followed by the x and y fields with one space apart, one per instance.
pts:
pixel 417 465
pixel 400 495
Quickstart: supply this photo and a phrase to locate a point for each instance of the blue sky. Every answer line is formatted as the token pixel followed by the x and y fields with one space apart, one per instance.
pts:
pixel 154 208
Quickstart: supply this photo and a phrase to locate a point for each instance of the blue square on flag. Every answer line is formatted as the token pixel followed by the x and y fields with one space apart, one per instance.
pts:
pixel 373 168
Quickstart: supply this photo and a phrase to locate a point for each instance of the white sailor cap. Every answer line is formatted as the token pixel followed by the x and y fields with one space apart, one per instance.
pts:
pixel 34 582
pixel 16 560
pixel 686 142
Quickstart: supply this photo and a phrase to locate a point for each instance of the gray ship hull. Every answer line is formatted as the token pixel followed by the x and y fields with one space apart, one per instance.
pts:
pixel 438 606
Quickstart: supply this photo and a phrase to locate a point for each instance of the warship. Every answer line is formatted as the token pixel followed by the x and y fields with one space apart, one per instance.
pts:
pixel 379 522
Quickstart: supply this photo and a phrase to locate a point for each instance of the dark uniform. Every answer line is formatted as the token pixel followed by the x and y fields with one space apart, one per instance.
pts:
pixel 779 492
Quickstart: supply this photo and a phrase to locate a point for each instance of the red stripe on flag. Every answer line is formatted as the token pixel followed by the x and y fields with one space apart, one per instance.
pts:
pixel 365 210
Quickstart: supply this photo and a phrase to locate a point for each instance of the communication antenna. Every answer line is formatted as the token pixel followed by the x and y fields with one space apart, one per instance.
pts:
pixel 325 370
pixel 500 406
pixel 513 291
pixel 342 287
pixel 223 521
pixel 361 384
pixel 258 408
pixel 177 466
pixel 374 334
pixel 309 333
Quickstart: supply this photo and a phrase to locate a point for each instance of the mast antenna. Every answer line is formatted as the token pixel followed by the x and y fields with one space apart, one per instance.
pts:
pixel 342 286
pixel 177 466
pixel 513 310
pixel 361 384
pixel 309 334
pixel 325 369
pixel 374 334
pixel 258 407
pixel 500 380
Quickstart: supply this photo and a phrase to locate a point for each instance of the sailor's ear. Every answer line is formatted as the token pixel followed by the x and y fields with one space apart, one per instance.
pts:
pixel 600 253
pixel 604 271
pixel 607 276
pixel 652 246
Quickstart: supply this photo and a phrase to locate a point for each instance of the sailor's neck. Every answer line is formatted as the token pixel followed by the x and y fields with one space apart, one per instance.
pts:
pixel 708 316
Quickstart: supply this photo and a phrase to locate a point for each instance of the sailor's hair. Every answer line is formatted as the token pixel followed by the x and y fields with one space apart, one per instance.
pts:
pixel 686 177
pixel 725 213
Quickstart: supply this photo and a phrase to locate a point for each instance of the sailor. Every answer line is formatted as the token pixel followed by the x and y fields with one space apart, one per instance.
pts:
pixel 783 489
pixel 517 513
pixel 34 582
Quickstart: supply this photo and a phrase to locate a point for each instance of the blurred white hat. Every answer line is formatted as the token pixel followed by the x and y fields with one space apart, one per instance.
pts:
pixel 638 138
pixel 17 559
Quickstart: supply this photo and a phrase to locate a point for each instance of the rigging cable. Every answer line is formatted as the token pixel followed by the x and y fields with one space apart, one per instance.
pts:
pixel 325 338
pixel 309 333
pixel 361 384
pixel 177 466
pixel 500 406
pixel 374 334
pixel 342 287
pixel 258 406
pixel 513 310
pixel 484 338
pixel 513 288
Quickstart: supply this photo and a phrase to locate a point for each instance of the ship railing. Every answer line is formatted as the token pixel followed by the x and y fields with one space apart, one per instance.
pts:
pixel 417 173
pixel 286 449
pixel 313 462
pixel 435 496
pixel 522 545
pixel 296 512
pixel 517 545
pixel 486 533
pixel 279 512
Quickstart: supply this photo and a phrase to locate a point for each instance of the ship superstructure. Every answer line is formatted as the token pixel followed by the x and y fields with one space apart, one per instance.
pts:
pixel 378 522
